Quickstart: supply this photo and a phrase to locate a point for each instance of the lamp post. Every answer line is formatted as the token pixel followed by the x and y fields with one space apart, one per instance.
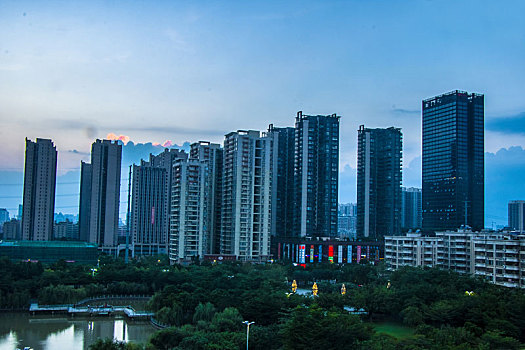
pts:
pixel 248 324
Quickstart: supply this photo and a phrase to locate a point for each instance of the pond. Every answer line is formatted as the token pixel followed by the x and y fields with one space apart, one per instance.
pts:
pixel 48 332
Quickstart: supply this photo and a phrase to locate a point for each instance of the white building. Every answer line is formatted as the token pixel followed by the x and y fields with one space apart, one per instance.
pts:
pixel 498 257
pixel 411 250
pixel 189 231
pixel 246 199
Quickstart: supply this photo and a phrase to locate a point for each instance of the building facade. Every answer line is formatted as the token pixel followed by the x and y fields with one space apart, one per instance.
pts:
pixel 246 195
pixel 517 215
pixel 305 250
pixel 212 154
pixel 411 213
pixel 283 205
pixel 84 210
pixel 496 256
pixel 150 205
pixel 378 182
pixel 316 175
pixel 39 190
pixel 102 213
pixel 411 250
pixel 453 161
pixel 190 233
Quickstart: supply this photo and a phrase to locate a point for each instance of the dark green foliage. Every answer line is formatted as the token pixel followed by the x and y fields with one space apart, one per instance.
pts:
pixel 207 303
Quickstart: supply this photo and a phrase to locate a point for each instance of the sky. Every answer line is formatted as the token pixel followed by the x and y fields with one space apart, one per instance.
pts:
pixel 179 72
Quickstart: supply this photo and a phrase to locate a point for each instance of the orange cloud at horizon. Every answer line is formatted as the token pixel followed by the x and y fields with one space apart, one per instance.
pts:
pixel 111 136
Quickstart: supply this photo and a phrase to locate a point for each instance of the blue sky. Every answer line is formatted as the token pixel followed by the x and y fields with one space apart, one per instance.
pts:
pixel 186 71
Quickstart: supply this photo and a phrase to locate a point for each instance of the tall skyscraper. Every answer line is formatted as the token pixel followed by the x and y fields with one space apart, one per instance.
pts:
pixel 212 154
pixel 378 182
pixel 84 211
pixel 246 199
pixel 39 190
pixel 190 232
pixel 102 214
pixel 150 204
pixel 411 216
pixel 453 161
pixel 283 205
pixel 517 215
pixel 316 175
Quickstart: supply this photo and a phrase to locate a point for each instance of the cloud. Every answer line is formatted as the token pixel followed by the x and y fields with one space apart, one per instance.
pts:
pixel 402 111
pixel 177 130
pixel 412 173
pixel 510 124
pixel 503 182
pixel 123 138
pixel 347 185
pixel 78 152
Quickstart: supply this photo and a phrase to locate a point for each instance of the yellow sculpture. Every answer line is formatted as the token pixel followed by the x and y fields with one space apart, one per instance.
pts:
pixel 343 290
pixel 294 286
pixel 315 289
pixel 388 285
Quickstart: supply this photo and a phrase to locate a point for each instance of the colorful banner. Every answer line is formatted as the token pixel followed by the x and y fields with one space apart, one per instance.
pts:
pixel 339 254
pixel 331 253
pixel 349 255
pixel 358 254
pixel 302 249
pixel 311 253
pixel 320 252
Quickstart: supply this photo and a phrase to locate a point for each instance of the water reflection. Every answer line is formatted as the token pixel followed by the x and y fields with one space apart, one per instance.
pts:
pixel 59 332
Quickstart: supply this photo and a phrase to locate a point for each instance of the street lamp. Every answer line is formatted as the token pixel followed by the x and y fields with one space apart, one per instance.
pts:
pixel 248 324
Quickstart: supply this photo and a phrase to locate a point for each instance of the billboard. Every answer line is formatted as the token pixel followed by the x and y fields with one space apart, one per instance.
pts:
pixel 339 254
pixel 320 252
pixel 358 254
pixel 312 253
pixel 302 249
pixel 349 255
pixel 331 253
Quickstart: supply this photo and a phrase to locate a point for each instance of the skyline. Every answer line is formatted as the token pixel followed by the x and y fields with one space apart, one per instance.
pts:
pixel 186 73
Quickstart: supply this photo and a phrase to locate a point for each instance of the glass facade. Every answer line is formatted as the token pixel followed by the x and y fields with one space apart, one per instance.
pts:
pixel 379 182
pixel 316 175
pixel 453 161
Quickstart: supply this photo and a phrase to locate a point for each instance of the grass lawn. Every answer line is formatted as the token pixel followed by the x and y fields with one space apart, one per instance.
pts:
pixel 394 329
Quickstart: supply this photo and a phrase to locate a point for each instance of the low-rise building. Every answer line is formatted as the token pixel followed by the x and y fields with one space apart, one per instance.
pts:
pixel 411 250
pixel 496 256
pixel 50 251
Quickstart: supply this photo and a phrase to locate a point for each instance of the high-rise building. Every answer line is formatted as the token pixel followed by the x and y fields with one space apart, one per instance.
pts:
pixel 316 175
pixel 212 154
pixel 453 161
pixel 411 216
pixel 283 205
pixel 347 220
pixel 103 192
pixel 246 199
pixel 39 190
pixel 84 210
pixel 517 215
pixel 379 182
pixel 12 230
pixel 150 204
pixel 4 216
pixel 189 232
